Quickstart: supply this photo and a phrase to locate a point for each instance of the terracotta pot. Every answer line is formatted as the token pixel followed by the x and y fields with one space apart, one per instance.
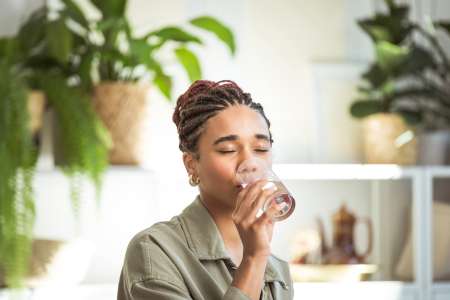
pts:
pixel 388 140
pixel 122 107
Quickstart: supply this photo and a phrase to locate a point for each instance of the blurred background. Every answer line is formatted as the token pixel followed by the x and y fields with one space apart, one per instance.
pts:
pixel 357 91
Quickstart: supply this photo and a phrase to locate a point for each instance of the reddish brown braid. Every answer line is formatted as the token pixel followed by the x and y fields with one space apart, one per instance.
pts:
pixel 203 100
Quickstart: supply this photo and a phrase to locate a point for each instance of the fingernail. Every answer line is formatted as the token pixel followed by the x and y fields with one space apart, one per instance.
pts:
pixel 270 185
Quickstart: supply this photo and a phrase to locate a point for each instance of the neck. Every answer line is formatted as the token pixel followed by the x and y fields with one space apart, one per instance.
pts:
pixel 227 228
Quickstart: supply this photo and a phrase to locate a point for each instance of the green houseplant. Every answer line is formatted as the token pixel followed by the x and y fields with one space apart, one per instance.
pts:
pixel 28 62
pixel 56 51
pixel 114 64
pixel 410 77
pixel 17 164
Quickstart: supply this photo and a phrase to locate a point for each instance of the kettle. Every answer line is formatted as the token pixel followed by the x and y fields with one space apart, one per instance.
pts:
pixel 343 251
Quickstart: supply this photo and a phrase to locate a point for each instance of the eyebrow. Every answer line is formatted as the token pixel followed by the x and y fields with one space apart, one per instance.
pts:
pixel 234 137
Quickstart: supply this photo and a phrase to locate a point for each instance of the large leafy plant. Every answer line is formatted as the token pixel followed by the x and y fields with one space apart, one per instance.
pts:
pixel 46 60
pixel 107 49
pixel 17 165
pixel 411 72
pixel 30 60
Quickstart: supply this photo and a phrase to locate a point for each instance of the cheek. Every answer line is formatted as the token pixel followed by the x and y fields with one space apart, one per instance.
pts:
pixel 218 172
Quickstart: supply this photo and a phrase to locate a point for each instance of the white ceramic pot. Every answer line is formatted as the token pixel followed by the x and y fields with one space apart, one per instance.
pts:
pixel 434 148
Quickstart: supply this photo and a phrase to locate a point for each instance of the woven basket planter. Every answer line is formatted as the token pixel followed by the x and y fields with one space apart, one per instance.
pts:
pixel 36 107
pixel 56 262
pixel 384 143
pixel 122 108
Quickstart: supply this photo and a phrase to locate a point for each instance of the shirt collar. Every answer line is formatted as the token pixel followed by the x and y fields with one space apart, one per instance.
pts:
pixel 204 238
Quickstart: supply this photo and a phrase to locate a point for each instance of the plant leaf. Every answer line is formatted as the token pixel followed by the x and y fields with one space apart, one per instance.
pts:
pixel 221 31
pixel 390 57
pixel 85 69
pixel 364 108
pixel 9 50
pixel 190 63
pixel 73 11
pixel 164 83
pixel 141 51
pixel 375 76
pixel 419 59
pixel 175 34
pixel 32 33
pixel 445 25
pixel 375 31
pixel 59 40
pixel 394 27
pixel 111 8
pixel 411 117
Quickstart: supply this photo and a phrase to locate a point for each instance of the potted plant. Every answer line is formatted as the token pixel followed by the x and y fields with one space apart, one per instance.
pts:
pixel 32 60
pixel 17 165
pixel 405 92
pixel 116 65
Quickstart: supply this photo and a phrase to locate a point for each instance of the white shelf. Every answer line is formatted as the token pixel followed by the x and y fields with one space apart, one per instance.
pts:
pixel 368 290
pixel 421 178
pixel 343 171
pixel 441 291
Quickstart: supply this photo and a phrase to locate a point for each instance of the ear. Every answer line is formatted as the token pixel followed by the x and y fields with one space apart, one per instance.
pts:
pixel 190 163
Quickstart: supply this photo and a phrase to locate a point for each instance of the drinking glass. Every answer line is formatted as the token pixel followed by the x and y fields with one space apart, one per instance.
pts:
pixel 254 169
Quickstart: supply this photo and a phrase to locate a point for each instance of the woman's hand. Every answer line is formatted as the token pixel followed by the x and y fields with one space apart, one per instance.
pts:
pixel 255 232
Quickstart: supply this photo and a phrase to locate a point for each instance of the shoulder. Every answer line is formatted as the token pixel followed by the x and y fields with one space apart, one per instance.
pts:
pixel 146 257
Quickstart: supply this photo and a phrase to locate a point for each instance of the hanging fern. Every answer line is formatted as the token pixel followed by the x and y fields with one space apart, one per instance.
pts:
pixel 85 141
pixel 17 165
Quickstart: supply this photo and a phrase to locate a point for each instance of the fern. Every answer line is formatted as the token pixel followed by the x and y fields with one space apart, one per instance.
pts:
pixel 17 165
pixel 85 141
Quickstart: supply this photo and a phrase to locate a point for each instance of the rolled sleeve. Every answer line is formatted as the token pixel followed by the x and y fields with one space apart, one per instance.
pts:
pixel 235 294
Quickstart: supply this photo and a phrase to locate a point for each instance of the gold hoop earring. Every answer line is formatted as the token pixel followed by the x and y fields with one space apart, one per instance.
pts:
pixel 193 181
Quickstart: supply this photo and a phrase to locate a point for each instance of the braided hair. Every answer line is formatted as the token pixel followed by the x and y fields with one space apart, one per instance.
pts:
pixel 203 100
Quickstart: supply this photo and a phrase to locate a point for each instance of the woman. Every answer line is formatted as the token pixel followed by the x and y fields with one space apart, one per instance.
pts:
pixel 217 248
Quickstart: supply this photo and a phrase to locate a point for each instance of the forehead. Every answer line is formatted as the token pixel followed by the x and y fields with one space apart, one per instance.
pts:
pixel 239 120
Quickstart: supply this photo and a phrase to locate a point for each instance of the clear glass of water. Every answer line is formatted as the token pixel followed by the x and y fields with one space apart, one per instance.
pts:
pixel 254 169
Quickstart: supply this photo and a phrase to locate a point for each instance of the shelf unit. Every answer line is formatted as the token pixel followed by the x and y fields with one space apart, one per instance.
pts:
pixel 423 287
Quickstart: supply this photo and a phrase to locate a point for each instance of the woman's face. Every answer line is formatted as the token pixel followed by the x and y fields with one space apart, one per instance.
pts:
pixel 230 137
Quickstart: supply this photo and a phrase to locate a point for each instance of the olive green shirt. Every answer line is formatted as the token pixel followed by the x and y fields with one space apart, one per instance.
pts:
pixel 186 258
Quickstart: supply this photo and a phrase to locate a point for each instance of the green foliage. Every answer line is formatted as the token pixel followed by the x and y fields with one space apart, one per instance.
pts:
pixel 107 49
pixel 408 77
pixel 40 56
pixel 17 164
pixel 85 141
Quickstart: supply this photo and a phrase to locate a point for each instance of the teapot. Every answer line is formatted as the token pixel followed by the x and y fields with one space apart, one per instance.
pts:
pixel 343 251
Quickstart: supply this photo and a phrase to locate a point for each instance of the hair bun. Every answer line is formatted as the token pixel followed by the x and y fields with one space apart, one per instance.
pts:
pixel 196 88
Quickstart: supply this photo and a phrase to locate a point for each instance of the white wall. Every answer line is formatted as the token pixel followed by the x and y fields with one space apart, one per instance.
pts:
pixel 278 42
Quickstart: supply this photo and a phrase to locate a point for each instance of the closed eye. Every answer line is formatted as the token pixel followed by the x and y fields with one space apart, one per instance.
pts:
pixel 226 151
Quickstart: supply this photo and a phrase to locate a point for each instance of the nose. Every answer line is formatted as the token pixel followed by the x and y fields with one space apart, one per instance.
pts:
pixel 247 155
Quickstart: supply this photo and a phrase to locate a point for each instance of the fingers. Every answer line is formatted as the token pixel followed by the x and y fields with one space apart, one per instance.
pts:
pixel 245 199
pixel 265 195
pixel 251 201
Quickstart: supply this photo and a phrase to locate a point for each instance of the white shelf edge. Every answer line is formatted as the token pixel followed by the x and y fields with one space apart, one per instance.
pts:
pixel 344 171
pixel 441 287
